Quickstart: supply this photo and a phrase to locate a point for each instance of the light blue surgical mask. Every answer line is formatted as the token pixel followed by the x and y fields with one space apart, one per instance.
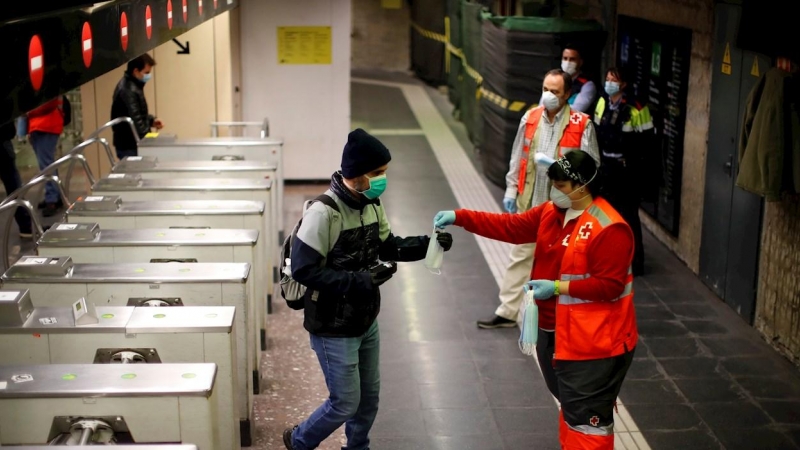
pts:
pixel 612 88
pixel 377 186
pixel 559 198
pixel 146 77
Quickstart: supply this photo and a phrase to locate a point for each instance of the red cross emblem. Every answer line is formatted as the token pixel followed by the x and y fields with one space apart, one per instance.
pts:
pixel 594 421
pixel 585 230
pixel 575 118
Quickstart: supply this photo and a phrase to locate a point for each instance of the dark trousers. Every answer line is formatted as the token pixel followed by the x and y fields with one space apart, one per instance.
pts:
pixel 545 347
pixel 123 152
pixel 589 390
pixel 12 181
pixel 625 198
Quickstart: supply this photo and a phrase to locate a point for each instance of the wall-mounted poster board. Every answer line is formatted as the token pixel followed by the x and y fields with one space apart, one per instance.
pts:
pixel 656 58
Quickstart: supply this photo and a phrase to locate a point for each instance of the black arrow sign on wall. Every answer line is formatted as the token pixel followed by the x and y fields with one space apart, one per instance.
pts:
pixel 184 49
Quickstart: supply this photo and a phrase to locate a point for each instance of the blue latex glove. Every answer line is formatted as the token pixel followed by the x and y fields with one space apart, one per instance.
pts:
pixel 510 204
pixel 444 218
pixel 542 289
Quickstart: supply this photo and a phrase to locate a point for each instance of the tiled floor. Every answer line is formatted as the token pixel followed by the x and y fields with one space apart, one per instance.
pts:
pixel 702 379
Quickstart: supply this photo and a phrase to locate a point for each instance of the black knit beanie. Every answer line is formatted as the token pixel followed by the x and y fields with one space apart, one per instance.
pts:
pixel 362 154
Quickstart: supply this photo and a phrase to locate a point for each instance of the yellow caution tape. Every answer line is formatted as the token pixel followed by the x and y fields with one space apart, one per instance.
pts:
pixel 514 106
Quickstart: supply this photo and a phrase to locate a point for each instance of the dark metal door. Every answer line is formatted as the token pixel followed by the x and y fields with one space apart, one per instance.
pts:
pixel 731 216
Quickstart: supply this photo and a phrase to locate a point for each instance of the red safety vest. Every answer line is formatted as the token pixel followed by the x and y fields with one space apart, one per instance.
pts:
pixel 586 329
pixel 570 140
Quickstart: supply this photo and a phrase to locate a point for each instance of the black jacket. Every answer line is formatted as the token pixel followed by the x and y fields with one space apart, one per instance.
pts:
pixel 332 256
pixel 129 101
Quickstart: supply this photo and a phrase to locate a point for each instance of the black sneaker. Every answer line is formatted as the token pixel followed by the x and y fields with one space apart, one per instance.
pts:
pixel 287 437
pixel 26 234
pixel 496 322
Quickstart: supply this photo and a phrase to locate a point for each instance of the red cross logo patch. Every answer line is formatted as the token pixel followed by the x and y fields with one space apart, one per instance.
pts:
pixel 594 421
pixel 565 242
pixel 575 118
pixel 585 231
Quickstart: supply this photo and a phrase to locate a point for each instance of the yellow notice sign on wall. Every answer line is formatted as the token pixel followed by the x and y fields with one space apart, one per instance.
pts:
pixel 304 45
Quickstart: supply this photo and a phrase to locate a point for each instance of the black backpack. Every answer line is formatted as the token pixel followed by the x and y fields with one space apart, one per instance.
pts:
pixel 66 109
pixel 292 291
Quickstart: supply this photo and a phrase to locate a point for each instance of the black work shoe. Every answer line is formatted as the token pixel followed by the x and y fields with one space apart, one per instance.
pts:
pixel 287 437
pixel 496 322
pixel 26 234
pixel 50 210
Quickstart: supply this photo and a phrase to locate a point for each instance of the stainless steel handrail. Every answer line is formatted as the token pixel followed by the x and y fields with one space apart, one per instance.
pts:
pixel 50 173
pixel 19 194
pixel 117 121
pixel 36 227
pixel 264 127
pixel 79 149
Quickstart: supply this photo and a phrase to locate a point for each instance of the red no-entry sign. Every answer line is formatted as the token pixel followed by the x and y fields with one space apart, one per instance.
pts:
pixel 86 44
pixel 123 31
pixel 148 22
pixel 169 14
pixel 36 62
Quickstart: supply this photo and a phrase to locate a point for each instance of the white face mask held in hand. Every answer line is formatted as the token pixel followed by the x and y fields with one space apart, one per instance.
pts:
pixel 530 324
pixel 435 255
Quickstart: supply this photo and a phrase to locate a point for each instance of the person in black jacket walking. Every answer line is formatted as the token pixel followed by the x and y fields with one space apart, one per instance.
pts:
pixel 129 101
pixel 337 256
pixel 10 175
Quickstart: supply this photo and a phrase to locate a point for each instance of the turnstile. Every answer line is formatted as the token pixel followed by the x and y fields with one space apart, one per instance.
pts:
pixel 110 212
pixel 149 167
pixel 56 281
pixel 220 148
pixel 86 243
pixel 109 403
pixel 82 334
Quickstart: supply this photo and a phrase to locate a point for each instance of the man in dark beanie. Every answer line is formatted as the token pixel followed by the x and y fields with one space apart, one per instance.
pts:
pixel 343 251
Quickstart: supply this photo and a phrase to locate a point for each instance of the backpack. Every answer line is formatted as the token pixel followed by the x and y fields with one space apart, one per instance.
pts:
pixel 291 290
pixel 66 109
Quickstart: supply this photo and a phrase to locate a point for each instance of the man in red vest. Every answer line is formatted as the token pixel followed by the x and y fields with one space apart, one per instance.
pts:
pixel 551 129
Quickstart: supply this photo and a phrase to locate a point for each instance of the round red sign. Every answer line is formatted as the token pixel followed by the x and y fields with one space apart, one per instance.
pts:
pixel 123 31
pixel 185 11
pixel 86 44
pixel 36 62
pixel 148 22
pixel 169 14
pixel 200 7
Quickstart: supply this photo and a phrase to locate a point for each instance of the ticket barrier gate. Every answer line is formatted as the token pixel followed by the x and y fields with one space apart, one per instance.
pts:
pixel 86 243
pixel 110 212
pixel 112 404
pixel 150 168
pixel 81 333
pixel 270 150
pixel 56 281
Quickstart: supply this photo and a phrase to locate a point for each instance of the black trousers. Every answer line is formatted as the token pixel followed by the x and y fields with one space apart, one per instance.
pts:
pixel 545 347
pixel 625 198
pixel 12 181
pixel 589 389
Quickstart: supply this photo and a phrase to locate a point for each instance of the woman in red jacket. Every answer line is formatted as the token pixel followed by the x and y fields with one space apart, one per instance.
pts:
pixel 582 282
pixel 45 125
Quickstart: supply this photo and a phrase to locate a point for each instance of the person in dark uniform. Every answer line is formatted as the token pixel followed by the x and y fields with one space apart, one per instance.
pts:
pixel 10 175
pixel 129 101
pixel 624 132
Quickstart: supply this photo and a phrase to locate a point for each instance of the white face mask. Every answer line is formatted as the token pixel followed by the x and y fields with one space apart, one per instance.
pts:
pixel 569 66
pixel 550 101
pixel 559 198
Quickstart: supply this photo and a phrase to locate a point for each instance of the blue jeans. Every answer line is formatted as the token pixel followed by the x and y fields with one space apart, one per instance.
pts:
pixel 352 373
pixel 44 145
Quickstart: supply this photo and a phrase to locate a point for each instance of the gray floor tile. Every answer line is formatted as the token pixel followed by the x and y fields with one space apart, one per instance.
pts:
pixel 692 311
pixel 485 442
pixel 661 328
pixel 733 346
pixel 526 420
pixel 653 312
pixel 771 388
pixel 644 369
pixel 684 440
pixel 664 417
pixel 705 327
pixel 731 415
pixel 710 390
pixel 677 296
pixel 646 297
pixel 755 366
pixel 473 333
pixel 459 422
pixel 692 367
pixel 785 412
pixel 453 395
pixel 525 372
pixel 496 349
pixel 508 395
pixel 639 392
pixel 679 347
pixel 398 423
pixel 400 395
pixel 543 441
pixel 456 350
pixel 445 372
pixel 401 443
pixel 762 439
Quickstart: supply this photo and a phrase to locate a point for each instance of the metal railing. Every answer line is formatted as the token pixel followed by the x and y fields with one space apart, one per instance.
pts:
pixel 36 226
pixel 263 124
pixel 117 121
pixel 50 173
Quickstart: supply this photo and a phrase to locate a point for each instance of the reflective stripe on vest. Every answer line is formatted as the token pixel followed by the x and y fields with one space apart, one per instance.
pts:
pixel 567 300
pixel 570 139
